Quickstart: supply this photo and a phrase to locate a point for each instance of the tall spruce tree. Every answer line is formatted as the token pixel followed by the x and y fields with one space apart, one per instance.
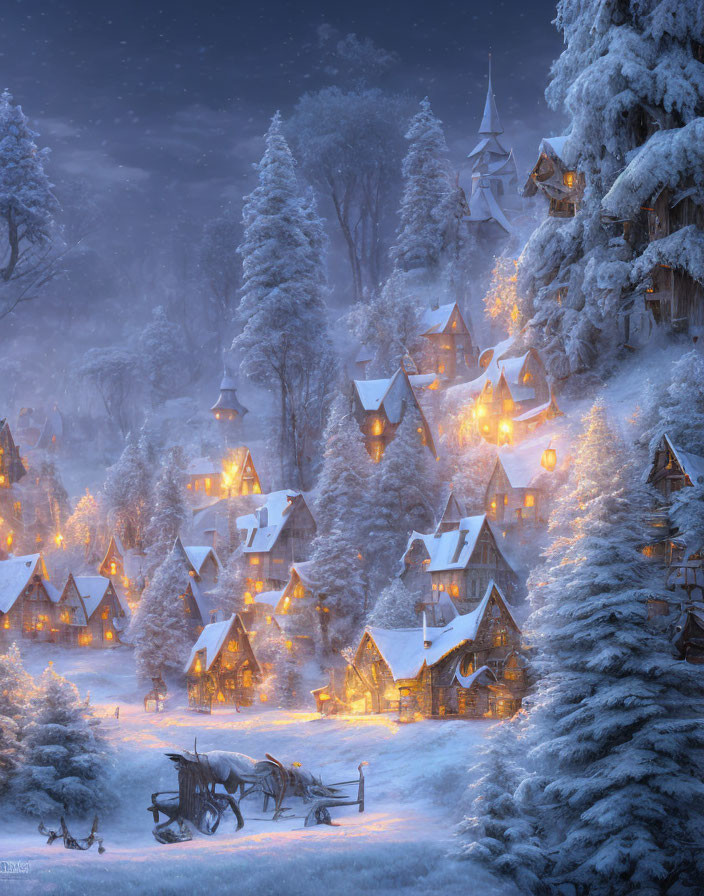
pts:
pixel 169 513
pixel 128 491
pixel 425 213
pixel 341 550
pixel 16 691
pixel 160 629
pixel 284 343
pixel 628 72
pixel 64 768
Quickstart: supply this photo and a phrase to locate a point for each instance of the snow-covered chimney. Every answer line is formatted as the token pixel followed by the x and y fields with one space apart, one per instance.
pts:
pixel 263 517
pixel 426 642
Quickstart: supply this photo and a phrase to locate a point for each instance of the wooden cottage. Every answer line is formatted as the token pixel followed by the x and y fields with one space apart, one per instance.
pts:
pixel 276 535
pixel 468 669
pixel 236 477
pixel 450 350
pixel 27 600
pixel 89 613
pixel 455 563
pixel 202 563
pixel 673 469
pixel 379 407
pixel 204 478
pixel 11 467
pixel 521 483
pixel 511 398
pixel 555 179
pixel 123 567
pixel 222 668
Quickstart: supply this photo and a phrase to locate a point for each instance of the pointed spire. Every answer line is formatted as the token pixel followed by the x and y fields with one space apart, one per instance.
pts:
pixel 490 121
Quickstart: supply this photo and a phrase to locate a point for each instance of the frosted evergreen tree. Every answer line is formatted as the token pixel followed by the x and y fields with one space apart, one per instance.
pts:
pixel 406 488
pixel 128 490
pixel 678 409
pixel 395 607
pixel 162 353
pixel 627 72
pixel 160 629
pixel 227 596
pixel 284 342
pixel 27 208
pixel 341 549
pixel 498 833
pixel 425 212
pixel 616 722
pixel 16 690
pixel 64 764
pixel 169 508
pixel 83 528
pixel 687 515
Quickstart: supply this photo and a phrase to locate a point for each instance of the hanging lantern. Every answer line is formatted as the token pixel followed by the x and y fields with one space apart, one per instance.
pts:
pixel 549 459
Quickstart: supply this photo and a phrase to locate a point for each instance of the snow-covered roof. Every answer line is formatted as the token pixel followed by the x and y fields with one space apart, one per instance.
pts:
pixel 531 413
pixel 198 554
pixel 273 514
pixel 483 207
pixel 437 320
pixel 92 590
pixel 522 466
pixel 270 598
pixel 403 649
pixel 305 570
pixel 665 160
pixel 692 465
pixel 490 119
pixel 452 549
pixel 683 249
pixel 496 352
pixel 364 355
pixel 554 146
pixel 203 466
pixel 15 575
pixel 211 640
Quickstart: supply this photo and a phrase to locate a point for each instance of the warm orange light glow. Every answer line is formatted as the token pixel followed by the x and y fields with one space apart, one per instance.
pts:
pixel 6 623
pixel 58 539
pixel 481 410
pixel 441 368
pixel 254 560
pixel 263 698
pixel 108 635
pixel 289 645
pixel 377 426
pixel 9 541
pixel 217 415
pixel 568 179
pixel 529 501
pixel 248 599
pixel 113 568
pixel 259 587
pixel 197 666
pixel 493 505
pixel 549 459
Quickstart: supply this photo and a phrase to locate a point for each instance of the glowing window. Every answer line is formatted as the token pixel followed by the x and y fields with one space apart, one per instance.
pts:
pixel 529 501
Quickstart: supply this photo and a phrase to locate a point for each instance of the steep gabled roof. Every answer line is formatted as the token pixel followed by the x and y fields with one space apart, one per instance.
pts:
pixel 197 555
pixel 264 526
pixel 15 574
pixel 490 119
pixel 203 466
pixel 483 207
pixel 453 549
pixel 453 512
pixel 211 639
pixel 403 649
pixel 437 320
pixel 692 465
pixel 92 590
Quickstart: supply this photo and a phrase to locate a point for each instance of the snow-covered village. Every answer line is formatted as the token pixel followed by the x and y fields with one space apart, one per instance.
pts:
pixel 352 448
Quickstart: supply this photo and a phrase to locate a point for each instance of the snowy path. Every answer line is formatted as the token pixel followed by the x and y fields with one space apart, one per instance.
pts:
pixel 416 776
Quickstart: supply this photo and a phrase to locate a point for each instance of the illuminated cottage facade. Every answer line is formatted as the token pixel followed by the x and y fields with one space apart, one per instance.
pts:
pixel 236 477
pixel 27 599
pixel 512 398
pixel 204 569
pixel 452 567
pixel 673 469
pixel 276 535
pixel 656 200
pixel 520 486
pixel 554 178
pixel 123 567
pixel 222 668
pixel 89 613
pixel 379 407
pixel 450 351
pixel 469 668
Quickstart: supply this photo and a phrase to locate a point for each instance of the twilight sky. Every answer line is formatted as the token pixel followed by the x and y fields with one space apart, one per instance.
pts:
pixel 162 104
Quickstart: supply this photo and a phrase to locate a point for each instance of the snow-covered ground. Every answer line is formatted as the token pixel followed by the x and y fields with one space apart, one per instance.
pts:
pixel 415 780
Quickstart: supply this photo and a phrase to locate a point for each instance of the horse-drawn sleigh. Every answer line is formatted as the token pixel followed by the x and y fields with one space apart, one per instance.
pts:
pixel 198 801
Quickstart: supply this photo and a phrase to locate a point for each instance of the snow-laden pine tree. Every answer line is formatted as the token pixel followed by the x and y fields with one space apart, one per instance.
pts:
pixel 162 351
pixel 678 408
pixel 341 550
pixel 227 597
pixel 498 833
pixel 425 212
pixel 629 73
pixel 406 490
pixel 284 343
pixel 128 492
pixel 83 528
pixel 686 514
pixel 16 690
pixel 27 207
pixel 160 629
pixel 65 765
pixel 169 512
pixel 395 607
pixel 615 721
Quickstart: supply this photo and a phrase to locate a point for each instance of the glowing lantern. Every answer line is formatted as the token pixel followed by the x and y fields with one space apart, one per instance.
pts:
pixel 549 459
pixel 263 698
pixel 197 667
pixel 113 568
pixel 9 541
pixel 377 426
pixel 6 623
pixel 289 645
pixel 2 479
pixel 493 505
pixel 59 540
pixel 568 179
pixel 108 635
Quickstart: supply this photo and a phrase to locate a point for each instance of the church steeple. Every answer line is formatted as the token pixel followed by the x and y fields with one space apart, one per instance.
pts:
pixel 490 121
